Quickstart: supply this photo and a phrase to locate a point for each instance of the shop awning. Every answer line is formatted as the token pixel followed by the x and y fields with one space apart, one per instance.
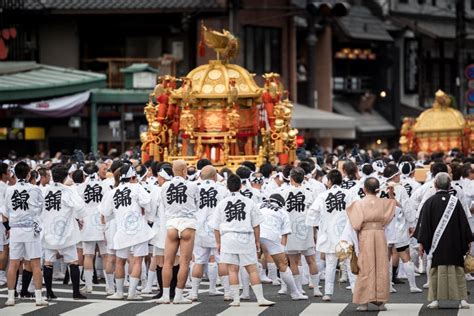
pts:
pixel 21 81
pixel 444 28
pixel 365 122
pixel 361 24
pixel 327 123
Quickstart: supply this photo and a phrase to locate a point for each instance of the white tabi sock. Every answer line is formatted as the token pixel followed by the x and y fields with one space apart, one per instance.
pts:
pixel 212 275
pixel 245 282
pixel 288 279
pixel 225 284
pixel 150 278
pixel 272 271
pixel 88 273
pixel 110 281
pixel 178 296
pixel 195 282
pixel 258 291
pixel 119 284
pixel 132 289
pixel 235 292
pixel 297 278
pixel 38 295
pixel 166 293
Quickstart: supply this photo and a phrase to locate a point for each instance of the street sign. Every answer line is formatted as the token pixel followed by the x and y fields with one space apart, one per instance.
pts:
pixel 470 97
pixel 469 72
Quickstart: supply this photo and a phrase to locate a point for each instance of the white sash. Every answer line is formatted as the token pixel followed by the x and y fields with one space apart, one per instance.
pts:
pixel 448 212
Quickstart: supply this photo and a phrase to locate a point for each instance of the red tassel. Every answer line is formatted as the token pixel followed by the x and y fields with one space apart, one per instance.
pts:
pixel 201 47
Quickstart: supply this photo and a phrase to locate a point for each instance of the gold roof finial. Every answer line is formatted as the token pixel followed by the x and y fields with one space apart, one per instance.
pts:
pixel 224 43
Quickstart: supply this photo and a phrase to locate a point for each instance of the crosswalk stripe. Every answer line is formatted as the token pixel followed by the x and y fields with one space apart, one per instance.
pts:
pixel 403 309
pixel 21 308
pixel 323 309
pixel 95 308
pixel 247 309
pixel 466 312
pixel 168 309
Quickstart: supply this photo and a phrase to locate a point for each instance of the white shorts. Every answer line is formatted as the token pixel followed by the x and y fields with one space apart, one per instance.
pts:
pixel 242 259
pixel 26 250
pixel 306 253
pixel 272 246
pixel 69 254
pixel 88 247
pixel 158 251
pixel 139 250
pixel 202 254
pixel 181 224
pixel 79 245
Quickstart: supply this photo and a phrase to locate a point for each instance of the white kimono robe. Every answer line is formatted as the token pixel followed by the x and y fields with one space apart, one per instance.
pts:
pixel 92 193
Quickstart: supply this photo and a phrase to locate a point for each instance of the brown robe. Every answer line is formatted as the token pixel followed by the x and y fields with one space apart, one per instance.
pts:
pixel 369 217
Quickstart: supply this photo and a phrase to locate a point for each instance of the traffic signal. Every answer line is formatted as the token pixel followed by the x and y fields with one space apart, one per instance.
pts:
pixel 325 9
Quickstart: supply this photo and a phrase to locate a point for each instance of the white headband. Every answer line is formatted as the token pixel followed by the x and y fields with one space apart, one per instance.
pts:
pixel 130 174
pixel 162 173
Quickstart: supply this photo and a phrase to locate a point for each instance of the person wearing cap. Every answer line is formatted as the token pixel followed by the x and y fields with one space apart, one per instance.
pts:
pixel 274 232
pixel 91 192
pixel 298 200
pixel 210 193
pixel 129 203
pixel 328 212
pixel 62 208
pixel 399 230
pixel 236 227
pixel 180 198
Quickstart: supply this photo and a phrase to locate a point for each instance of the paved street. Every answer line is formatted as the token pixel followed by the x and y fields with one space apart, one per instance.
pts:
pixel 402 303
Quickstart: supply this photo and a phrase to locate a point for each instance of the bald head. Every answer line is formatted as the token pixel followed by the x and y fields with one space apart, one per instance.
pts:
pixel 179 168
pixel 208 173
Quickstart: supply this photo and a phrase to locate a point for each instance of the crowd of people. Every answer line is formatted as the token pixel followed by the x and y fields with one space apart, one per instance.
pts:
pixel 157 228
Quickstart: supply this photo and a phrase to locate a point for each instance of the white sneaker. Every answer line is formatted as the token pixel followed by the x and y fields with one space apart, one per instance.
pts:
pixel 244 297
pixel 163 300
pixel 282 291
pixel 146 291
pixel 265 302
pixel 297 296
pixel 392 289
pixel 469 277
pixel 265 280
pixel 10 302
pixel 464 305
pixel 426 286
pixel 116 296
pixel 182 301
pixel 276 282
pixel 135 297
pixel 327 298
pixel 216 293
pixel 433 305
pixel 41 302
pixel 228 298
pixel 110 291
pixel 415 290
pixel 86 289
pixel 317 292
pixel 192 297
pixel 348 287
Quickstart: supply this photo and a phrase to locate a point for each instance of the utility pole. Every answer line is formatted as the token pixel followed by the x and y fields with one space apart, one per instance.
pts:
pixel 460 43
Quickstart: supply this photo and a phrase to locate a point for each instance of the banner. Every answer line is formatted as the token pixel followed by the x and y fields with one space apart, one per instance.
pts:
pixel 59 107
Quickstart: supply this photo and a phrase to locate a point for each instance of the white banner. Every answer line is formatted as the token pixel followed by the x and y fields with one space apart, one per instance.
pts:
pixel 59 107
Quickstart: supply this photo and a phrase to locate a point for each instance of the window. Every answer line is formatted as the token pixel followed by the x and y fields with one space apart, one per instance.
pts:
pixel 263 49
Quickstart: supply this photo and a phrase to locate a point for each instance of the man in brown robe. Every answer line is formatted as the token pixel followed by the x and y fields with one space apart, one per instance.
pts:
pixel 369 217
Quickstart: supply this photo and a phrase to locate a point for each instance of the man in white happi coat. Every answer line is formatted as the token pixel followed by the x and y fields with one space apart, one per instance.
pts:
pixel 92 193
pixel 129 203
pixel 62 208
pixel 24 203
pixel 328 212
pixel 180 200
pixel 298 200
pixel 236 223
pixel 247 190
pixel 210 193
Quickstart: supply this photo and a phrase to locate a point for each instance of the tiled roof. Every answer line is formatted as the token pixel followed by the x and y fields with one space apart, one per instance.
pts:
pixel 361 24
pixel 71 5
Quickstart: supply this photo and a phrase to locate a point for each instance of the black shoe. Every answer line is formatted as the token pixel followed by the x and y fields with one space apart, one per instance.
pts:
pixel 16 294
pixel 79 296
pixel 398 281
pixel 50 296
pixel 26 295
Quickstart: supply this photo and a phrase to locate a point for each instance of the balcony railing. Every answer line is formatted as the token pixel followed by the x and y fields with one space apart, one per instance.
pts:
pixel 111 67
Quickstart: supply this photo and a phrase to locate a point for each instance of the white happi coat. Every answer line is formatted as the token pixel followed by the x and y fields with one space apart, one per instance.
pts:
pixel 157 216
pixel 410 184
pixel 23 206
pixel 315 186
pixel 111 224
pixel 62 207
pixel 92 193
pixel 129 203
pixel 235 218
pixel 276 222
pixel 297 202
pixel 180 197
pixel 3 205
pixel 210 194
pixel 251 193
pixel 329 213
